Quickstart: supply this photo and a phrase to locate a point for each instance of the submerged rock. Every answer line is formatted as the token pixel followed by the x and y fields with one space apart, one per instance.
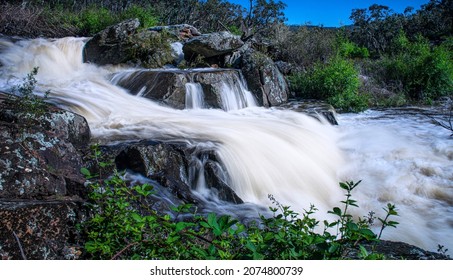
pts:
pixel 176 167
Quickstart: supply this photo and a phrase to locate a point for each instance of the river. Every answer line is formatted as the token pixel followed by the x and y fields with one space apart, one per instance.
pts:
pixel 400 156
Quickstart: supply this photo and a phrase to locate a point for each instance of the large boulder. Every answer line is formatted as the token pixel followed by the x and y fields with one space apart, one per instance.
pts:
pixel 41 155
pixel 111 45
pixel 212 45
pixel 124 44
pixel 176 167
pixel 41 188
pixel 169 86
pixel 264 79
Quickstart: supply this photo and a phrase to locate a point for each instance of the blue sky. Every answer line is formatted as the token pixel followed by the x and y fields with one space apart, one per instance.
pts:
pixel 333 12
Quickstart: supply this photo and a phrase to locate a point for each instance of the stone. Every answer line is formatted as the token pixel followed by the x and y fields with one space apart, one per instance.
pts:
pixel 171 165
pixel 41 156
pixel 212 45
pixel 264 79
pixel 124 44
pixel 168 86
pixel 40 230
pixel 180 31
pixel 110 45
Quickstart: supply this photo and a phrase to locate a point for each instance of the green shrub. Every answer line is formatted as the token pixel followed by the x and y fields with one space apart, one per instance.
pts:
pixel 424 72
pixel 348 49
pixel 144 15
pixel 337 82
pixel 95 19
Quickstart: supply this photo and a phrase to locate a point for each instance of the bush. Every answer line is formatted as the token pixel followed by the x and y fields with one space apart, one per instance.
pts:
pixel 424 73
pixel 144 15
pixel 94 19
pixel 337 82
pixel 348 49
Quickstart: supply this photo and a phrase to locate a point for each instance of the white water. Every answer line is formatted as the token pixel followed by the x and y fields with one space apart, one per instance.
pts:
pixel 292 156
pixel 194 96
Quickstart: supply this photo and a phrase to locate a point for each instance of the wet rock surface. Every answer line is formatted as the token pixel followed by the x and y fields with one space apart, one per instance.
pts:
pixel 392 250
pixel 172 166
pixel 41 156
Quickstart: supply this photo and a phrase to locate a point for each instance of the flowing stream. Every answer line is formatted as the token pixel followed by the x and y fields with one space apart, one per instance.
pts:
pixel 400 157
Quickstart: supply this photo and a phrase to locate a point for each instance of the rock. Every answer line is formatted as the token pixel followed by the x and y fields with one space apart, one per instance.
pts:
pixel 110 45
pixel 41 155
pixel 169 86
pixel 40 230
pixel 41 187
pixel 264 79
pixel 314 108
pixel 284 67
pixel 180 31
pixel 123 44
pixel 392 250
pixel 174 167
pixel 212 45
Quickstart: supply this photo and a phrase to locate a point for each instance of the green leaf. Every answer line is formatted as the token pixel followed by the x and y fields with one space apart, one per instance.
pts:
pixel 137 217
pixel 363 252
pixel 85 172
pixel 180 226
pixel 333 248
pixel 367 233
pixel 336 211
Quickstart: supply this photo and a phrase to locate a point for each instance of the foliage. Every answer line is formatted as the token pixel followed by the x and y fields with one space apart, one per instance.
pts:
pixel 336 82
pixel 260 16
pixel 348 49
pixel 146 16
pixel 303 46
pixel 425 73
pixel 376 27
pixel 32 105
pixel 123 225
pixel 93 20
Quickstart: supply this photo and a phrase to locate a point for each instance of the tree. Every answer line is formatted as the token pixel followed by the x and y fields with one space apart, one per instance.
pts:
pixel 376 27
pixel 261 15
pixel 434 20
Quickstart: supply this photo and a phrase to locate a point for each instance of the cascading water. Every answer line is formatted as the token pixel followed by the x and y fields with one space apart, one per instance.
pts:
pixel 294 157
pixel 194 96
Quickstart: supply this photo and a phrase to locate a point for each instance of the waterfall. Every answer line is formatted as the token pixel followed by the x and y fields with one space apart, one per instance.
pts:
pixel 235 95
pixel 294 157
pixel 194 96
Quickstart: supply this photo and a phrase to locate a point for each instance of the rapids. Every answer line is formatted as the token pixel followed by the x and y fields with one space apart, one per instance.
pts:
pixel 401 159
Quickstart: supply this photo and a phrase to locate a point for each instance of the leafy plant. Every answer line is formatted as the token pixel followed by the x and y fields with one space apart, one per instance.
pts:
pixel 337 82
pixel 25 100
